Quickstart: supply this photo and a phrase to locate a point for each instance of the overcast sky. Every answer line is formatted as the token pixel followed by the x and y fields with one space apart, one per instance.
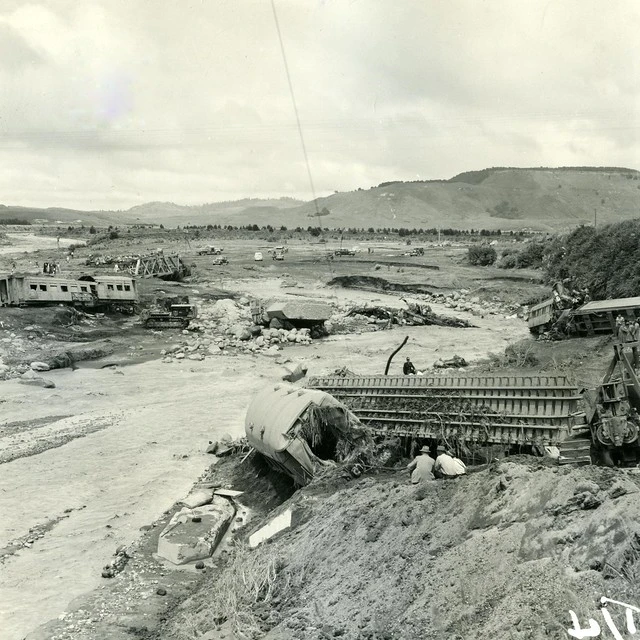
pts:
pixel 111 103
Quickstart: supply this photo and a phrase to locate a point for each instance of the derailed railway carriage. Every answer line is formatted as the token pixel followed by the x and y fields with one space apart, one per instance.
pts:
pixel 87 291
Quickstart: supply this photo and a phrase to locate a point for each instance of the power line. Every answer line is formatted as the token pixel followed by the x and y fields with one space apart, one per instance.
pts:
pixel 295 106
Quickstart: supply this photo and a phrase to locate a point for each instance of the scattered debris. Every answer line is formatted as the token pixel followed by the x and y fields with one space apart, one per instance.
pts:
pixel 456 362
pixel 118 564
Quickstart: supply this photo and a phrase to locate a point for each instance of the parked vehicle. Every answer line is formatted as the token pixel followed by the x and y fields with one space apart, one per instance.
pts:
pixel 209 251
pixel 257 256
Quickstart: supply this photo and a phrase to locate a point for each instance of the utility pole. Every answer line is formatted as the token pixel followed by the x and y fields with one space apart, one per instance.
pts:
pixel 595 217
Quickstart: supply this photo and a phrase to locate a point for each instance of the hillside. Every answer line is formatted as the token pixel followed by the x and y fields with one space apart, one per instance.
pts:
pixel 500 198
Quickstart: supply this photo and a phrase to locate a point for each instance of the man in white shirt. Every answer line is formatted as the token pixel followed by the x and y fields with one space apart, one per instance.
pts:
pixel 447 466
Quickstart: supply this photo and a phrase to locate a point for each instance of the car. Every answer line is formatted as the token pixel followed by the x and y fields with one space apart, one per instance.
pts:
pixel 221 260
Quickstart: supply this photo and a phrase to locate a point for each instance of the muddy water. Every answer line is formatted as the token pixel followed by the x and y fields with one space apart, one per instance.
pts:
pixel 22 242
pixel 159 419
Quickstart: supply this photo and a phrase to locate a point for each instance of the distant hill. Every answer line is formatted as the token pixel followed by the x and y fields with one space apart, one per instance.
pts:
pixel 547 199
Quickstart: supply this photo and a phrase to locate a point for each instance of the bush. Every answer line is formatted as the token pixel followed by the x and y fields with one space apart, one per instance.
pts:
pixel 604 260
pixel 531 256
pixel 482 255
pixel 113 235
pixel 508 261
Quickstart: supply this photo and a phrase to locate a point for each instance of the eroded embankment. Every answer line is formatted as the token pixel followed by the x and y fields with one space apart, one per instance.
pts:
pixel 371 283
pixel 505 552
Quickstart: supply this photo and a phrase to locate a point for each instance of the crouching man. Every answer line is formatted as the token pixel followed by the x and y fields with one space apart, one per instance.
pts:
pixel 421 467
pixel 447 466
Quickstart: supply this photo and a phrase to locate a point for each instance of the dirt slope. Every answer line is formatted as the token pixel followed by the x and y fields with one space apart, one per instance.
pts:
pixel 506 552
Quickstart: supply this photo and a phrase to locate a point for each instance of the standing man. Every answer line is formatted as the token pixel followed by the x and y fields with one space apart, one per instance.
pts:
pixel 422 466
pixel 408 369
pixel 447 466
pixel 633 335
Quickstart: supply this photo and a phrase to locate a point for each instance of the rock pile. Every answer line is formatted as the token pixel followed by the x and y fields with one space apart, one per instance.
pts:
pixel 226 326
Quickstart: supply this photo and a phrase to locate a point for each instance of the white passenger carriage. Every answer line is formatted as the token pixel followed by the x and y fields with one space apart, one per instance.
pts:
pixel 86 291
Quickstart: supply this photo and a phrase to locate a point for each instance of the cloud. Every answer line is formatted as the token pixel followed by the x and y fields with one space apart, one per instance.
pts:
pixel 116 102
pixel 15 52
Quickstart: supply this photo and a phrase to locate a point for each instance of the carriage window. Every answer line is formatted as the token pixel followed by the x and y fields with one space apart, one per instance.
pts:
pixel 110 287
pixel 43 287
pixel 53 286
pixel 119 287
pixel 127 287
pixel 83 288
pixel 34 287
pixel 64 287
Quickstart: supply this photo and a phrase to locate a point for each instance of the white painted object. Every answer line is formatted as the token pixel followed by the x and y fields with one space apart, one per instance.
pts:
pixel 278 524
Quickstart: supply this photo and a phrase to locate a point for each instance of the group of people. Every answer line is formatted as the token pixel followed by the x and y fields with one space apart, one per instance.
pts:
pixel 51 268
pixel 445 466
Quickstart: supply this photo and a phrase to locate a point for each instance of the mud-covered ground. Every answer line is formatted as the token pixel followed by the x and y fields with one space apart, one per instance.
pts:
pixel 505 552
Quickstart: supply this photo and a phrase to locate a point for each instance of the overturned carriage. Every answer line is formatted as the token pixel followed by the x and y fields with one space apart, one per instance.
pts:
pixel 301 431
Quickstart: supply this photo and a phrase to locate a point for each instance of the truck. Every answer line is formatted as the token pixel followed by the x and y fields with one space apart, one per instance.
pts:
pixel 209 251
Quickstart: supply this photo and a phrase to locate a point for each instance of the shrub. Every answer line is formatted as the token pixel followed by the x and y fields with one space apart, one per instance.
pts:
pixel 508 261
pixel 531 256
pixel 482 255
pixel 604 260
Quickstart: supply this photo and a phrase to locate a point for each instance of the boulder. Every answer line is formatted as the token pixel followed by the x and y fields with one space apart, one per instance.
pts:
pixel 39 382
pixel 241 332
pixel 197 498
pixel 293 374
pixel 194 534
pixel 40 366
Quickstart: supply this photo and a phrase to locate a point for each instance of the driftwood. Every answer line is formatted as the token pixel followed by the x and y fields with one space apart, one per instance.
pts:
pixel 415 315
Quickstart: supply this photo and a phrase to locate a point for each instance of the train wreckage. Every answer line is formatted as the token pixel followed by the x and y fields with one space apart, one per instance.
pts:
pixel 301 430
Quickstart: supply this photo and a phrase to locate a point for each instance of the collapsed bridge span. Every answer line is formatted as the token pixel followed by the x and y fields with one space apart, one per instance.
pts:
pixel 509 410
